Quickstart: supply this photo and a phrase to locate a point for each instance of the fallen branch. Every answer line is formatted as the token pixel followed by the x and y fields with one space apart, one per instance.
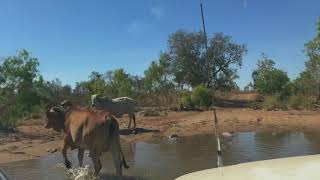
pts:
pixel 317 105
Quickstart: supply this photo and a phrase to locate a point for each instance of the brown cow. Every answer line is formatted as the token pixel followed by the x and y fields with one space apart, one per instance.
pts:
pixel 87 129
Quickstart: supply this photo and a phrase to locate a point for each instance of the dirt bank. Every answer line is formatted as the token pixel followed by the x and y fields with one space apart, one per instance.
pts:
pixel 32 140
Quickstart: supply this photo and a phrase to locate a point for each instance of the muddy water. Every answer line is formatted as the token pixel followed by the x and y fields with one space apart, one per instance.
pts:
pixel 169 159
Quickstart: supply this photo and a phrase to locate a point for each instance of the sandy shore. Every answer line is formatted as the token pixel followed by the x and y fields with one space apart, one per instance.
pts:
pixel 32 140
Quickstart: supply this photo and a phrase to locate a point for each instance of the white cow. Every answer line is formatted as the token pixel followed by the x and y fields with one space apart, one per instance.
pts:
pixel 117 106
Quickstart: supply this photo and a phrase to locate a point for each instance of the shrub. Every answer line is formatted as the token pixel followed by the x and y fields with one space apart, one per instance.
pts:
pixel 296 102
pixel 186 101
pixel 273 103
pixel 201 96
pixel 10 116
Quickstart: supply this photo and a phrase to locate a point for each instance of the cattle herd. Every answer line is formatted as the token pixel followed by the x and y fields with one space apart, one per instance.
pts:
pixel 92 128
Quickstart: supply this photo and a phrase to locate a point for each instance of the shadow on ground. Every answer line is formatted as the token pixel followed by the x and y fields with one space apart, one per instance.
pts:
pixel 137 131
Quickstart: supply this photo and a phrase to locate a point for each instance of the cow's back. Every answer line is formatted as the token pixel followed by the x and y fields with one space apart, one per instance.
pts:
pixel 87 127
pixel 117 107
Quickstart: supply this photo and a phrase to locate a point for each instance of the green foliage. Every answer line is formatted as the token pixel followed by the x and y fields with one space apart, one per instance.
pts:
pixel 303 85
pixel 312 72
pixel 201 96
pixel 186 101
pixel 157 76
pixel 298 102
pixel 10 115
pixel 138 88
pixel 191 65
pixel 112 84
pixel 96 83
pixel 20 82
pixel 158 80
pixel 121 83
pixel 53 91
pixel 269 80
pixel 273 103
pixel 308 82
pixel 186 64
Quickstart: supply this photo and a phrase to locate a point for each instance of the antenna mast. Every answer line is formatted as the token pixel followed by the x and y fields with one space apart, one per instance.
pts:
pixel 217 133
pixel 204 28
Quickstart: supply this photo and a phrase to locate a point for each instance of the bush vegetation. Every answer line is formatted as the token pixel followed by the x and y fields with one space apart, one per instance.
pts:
pixel 186 74
pixel 201 96
pixel 280 92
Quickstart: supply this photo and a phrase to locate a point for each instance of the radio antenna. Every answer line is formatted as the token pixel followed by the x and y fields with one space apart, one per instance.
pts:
pixel 216 125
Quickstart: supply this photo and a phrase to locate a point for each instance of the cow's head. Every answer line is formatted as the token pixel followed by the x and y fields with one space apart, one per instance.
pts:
pixel 55 118
pixel 66 104
pixel 95 99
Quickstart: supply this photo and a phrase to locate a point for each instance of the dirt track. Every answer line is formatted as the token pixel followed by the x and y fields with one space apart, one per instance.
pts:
pixel 33 141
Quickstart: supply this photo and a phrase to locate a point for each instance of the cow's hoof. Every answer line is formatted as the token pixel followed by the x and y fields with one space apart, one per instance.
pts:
pixel 68 164
pixel 96 175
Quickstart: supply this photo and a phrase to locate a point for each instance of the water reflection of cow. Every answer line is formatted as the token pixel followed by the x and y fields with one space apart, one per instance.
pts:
pixel 87 129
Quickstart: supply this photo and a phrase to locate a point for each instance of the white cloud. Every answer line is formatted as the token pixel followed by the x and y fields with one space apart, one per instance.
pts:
pixel 157 12
pixel 137 27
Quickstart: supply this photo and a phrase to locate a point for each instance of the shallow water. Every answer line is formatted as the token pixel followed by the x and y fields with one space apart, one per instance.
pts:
pixel 170 159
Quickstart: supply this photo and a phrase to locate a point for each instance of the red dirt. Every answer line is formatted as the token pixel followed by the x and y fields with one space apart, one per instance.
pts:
pixel 33 140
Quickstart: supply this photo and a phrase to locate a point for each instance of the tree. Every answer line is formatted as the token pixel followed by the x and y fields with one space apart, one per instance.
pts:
pixel 81 89
pixel 187 51
pixel 191 65
pixel 137 85
pixel 120 82
pixel 303 85
pixel 96 83
pixel 18 75
pixel 158 79
pixel 19 84
pixel 224 57
pixel 269 80
pixel 312 71
pixel 157 76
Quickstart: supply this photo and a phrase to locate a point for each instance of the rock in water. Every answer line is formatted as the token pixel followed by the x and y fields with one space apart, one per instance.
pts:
pixel 226 134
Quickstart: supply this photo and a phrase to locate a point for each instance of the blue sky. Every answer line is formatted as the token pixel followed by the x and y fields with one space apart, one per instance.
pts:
pixel 71 38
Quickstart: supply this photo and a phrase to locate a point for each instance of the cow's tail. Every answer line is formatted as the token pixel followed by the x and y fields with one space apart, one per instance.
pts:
pixel 124 163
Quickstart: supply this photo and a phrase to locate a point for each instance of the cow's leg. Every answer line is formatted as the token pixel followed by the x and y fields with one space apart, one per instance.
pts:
pixel 64 152
pixel 80 156
pixel 116 154
pixel 132 116
pixel 96 162
pixel 129 120
pixel 134 120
